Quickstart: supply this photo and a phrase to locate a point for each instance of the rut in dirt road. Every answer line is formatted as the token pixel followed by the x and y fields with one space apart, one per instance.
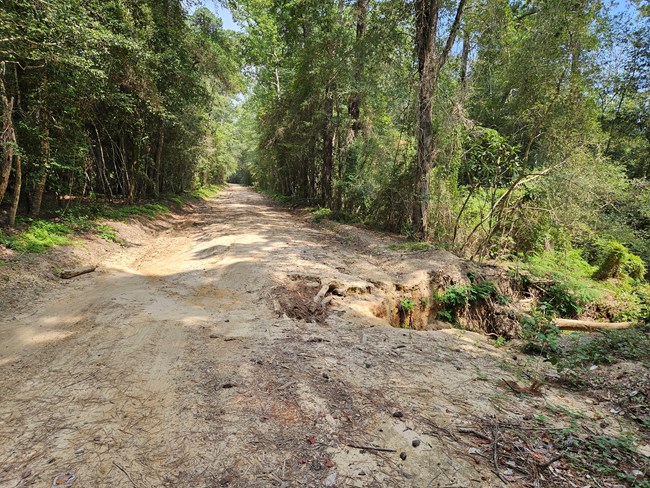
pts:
pixel 170 366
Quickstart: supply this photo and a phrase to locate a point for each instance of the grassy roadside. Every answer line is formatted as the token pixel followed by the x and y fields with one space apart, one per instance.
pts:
pixel 36 236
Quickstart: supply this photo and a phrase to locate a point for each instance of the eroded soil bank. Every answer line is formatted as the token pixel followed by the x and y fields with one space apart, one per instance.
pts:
pixel 177 363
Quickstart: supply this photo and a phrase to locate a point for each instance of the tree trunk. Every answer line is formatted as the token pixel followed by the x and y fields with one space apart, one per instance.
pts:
pixel 17 185
pixel 6 138
pixel 328 149
pixel 159 151
pixel 430 62
pixel 464 61
pixel 37 199
pixel 43 118
pixel 354 104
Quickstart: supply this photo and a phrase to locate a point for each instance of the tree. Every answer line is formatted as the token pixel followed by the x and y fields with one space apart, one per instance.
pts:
pixel 430 61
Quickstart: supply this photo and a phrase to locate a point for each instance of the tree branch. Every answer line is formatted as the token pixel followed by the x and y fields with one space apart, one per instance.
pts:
pixel 452 34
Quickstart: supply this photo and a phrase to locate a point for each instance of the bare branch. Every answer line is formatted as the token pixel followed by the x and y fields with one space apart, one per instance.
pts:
pixel 452 34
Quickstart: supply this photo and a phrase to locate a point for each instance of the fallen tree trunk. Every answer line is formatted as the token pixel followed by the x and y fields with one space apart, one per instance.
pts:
pixel 590 325
pixel 71 273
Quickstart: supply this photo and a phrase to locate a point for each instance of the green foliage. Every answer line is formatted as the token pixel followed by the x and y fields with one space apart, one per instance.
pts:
pixel 601 456
pixel 42 235
pixel 411 247
pixel 321 214
pixel 459 297
pixel 121 99
pixel 540 335
pixel 149 210
pixel 564 285
pixel 616 261
pixel 559 299
pixel 407 305
pixel 106 232
pixel 39 237
pixel 579 351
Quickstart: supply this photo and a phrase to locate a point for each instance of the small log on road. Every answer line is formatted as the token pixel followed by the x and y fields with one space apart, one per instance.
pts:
pixel 590 325
pixel 71 273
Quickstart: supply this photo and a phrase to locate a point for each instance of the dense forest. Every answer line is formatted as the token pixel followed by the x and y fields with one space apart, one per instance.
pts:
pixel 118 99
pixel 497 129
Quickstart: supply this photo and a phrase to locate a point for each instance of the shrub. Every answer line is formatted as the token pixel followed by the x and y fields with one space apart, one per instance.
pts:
pixel 457 297
pixel 614 260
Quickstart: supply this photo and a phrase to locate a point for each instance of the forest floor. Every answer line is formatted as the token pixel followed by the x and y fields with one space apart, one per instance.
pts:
pixel 177 363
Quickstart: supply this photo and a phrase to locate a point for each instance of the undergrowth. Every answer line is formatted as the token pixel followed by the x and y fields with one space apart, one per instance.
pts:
pixel 608 286
pixel 601 457
pixel 36 236
pixel 411 247
pixel 457 298
pixel 574 354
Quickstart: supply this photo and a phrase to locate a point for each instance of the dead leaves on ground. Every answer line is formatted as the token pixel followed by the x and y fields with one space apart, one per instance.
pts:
pixel 535 388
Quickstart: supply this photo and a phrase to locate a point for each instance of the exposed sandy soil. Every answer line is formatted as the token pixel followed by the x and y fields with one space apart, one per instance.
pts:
pixel 176 364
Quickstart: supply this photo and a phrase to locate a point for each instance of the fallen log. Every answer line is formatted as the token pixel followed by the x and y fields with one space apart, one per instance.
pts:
pixel 71 273
pixel 590 325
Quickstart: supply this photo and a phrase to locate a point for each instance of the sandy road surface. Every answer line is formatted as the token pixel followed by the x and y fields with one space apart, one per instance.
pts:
pixel 170 367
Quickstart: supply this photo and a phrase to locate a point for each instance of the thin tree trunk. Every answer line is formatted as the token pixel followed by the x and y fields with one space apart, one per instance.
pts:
pixel 464 60
pixel 354 104
pixel 159 152
pixel 328 149
pixel 18 181
pixel 133 172
pixel 37 199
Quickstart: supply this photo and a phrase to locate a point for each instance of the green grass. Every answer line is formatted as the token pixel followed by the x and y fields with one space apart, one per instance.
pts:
pixel 206 191
pixel 107 233
pixel 567 286
pixel 150 210
pixel 411 247
pixel 39 236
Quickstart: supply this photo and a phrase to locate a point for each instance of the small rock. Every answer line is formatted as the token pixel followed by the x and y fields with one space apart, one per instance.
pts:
pixel 330 480
pixel 64 479
pixel 214 336
pixel 398 415
pixel 368 365
pixel 326 376
pixel 415 443
pixel 402 456
pixel 26 474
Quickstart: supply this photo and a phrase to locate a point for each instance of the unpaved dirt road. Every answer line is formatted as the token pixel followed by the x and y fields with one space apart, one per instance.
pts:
pixel 170 367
